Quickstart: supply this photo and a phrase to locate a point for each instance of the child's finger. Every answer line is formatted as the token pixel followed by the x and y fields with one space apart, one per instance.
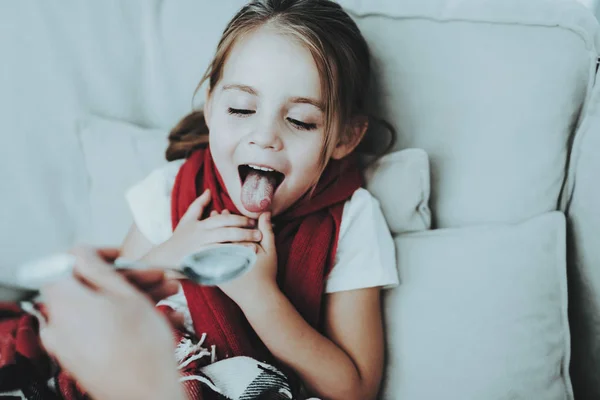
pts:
pixel 228 220
pixel 213 213
pixel 225 212
pixel 253 246
pixel 195 210
pixel 265 227
pixel 235 235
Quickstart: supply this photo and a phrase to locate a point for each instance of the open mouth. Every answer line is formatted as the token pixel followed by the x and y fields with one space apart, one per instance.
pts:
pixel 259 185
pixel 269 173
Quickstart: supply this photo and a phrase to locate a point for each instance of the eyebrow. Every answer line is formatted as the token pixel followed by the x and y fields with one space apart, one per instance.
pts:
pixel 306 100
pixel 243 88
pixel 254 92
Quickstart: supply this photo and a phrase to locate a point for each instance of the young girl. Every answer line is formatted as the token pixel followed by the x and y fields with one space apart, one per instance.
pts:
pixel 268 163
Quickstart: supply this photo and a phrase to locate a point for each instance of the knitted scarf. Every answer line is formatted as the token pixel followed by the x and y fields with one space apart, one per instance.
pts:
pixel 306 239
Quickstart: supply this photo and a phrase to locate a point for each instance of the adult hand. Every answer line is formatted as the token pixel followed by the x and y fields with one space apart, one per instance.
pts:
pixel 107 334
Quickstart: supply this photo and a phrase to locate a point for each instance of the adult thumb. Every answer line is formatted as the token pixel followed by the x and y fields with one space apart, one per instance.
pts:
pixel 91 269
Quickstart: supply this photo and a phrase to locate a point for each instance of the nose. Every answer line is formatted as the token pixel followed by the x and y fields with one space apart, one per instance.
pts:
pixel 266 136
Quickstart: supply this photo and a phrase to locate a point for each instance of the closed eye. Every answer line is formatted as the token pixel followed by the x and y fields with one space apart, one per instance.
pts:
pixel 240 111
pixel 302 125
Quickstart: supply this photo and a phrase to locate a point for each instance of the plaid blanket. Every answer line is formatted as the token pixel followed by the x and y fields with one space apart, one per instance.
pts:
pixel 27 372
pixel 239 378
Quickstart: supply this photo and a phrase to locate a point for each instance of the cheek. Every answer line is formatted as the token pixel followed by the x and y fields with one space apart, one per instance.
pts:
pixel 307 157
pixel 223 134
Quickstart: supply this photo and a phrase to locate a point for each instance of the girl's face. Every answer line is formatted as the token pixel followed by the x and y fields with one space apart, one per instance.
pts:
pixel 266 123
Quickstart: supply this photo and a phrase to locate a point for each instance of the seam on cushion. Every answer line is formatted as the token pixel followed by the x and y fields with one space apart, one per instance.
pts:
pixel 570 16
pixel 482 228
pixel 420 158
pixel 588 116
pixel 582 30
pixel 573 141
pixel 561 274
pixel 423 207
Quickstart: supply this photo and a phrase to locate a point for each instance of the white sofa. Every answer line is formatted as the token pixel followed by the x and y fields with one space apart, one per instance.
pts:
pixel 500 94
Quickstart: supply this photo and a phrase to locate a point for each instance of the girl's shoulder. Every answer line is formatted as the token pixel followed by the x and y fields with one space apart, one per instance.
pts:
pixel 163 175
pixel 365 255
pixel 150 202
pixel 362 206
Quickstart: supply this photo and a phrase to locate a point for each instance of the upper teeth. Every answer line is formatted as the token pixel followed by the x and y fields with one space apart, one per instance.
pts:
pixel 261 168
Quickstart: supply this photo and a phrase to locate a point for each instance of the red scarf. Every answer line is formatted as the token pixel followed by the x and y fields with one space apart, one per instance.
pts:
pixel 306 240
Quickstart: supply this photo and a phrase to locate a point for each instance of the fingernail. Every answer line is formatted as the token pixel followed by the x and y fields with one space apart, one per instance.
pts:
pixel 257 235
pixel 252 222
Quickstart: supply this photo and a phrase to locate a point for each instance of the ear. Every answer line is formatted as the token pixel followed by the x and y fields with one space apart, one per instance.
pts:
pixel 207 109
pixel 352 137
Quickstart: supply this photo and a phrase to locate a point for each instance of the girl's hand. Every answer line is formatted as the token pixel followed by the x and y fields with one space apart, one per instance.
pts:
pixel 108 335
pixel 193 234
pixel 248 289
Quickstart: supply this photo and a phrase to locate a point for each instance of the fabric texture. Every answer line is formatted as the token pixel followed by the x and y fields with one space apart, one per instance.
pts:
pixel 481 313
pixel 471 82
pixel 26 370
pixel 116 154
pixel 583 200
pixel 364 237
pixel 306 239
pixel 28 373
pixel 391 179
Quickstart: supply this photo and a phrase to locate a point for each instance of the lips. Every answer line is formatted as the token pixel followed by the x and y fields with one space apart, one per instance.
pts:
pixel 245 169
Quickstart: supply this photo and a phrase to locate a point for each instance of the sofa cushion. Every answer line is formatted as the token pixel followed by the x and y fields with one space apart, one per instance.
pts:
pixel 400 181
pixel 489 89
pixel 584 251
pixel 480 313
pixel 119 154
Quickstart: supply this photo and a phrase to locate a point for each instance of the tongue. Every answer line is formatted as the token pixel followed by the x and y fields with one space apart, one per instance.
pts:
pixel 257 191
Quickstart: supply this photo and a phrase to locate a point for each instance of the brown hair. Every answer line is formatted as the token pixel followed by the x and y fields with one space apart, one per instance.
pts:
pixel 336 44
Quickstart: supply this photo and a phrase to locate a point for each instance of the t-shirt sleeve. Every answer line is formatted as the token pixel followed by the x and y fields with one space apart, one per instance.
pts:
pixel 150 202
pixel 366 256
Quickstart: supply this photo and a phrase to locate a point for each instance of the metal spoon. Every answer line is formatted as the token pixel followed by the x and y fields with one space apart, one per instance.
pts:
pixel 210 266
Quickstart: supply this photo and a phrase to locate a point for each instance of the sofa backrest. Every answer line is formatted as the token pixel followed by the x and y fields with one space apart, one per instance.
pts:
pixel 492 90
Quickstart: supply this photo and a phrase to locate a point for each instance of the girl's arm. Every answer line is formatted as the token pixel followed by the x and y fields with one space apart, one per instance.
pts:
pixel 348 363
pixel 135 245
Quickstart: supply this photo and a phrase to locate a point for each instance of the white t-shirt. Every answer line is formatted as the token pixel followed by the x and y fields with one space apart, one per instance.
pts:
pixel 365 254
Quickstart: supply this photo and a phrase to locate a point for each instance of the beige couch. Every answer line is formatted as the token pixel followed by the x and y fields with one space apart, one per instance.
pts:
pixel 500 95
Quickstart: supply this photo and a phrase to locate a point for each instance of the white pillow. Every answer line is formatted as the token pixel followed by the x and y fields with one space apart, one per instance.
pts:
pixel 481 313
pixel 117 155
pixel 400 181
pixel 490 90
